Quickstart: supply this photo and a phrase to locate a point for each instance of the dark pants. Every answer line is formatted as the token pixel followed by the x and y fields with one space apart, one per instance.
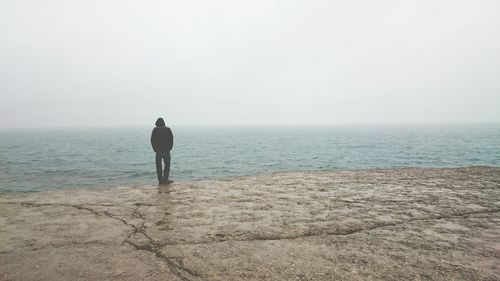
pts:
pixel 166 159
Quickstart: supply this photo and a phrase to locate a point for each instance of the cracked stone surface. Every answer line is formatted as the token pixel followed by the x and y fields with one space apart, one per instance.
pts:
pixel 401 224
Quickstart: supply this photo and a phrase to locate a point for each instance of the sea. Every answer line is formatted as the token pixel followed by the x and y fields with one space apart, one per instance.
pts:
pixel 66 158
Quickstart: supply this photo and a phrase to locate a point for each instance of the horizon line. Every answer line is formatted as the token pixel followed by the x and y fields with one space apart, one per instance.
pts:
pixel 248 125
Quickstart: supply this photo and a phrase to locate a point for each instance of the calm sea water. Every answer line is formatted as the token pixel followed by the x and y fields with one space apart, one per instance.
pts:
pixel 45 159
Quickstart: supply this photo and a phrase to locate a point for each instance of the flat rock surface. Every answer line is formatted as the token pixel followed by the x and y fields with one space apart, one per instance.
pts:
pixel 401 224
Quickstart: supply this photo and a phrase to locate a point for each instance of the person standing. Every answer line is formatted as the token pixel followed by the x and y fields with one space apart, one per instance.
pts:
pixel 162 141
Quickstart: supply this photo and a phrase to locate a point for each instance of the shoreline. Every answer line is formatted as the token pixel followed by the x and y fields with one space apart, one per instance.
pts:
pixel 377 224
pixel 235 177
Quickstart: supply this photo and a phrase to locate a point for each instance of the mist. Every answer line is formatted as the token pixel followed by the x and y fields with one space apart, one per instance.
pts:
pixel 240 63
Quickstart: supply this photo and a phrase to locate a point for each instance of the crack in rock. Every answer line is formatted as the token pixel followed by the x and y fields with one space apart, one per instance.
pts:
pixel 260 237
pixel 72 243
pixel 175 264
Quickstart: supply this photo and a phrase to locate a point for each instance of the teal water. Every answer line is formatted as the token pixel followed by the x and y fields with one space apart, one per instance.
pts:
pixel 45 159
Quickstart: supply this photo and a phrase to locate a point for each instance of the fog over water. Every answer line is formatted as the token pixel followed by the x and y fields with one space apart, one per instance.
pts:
pixel 124 63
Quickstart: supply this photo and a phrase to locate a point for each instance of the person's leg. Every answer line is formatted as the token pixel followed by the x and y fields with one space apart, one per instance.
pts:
pixel 158 167
pixel 166 172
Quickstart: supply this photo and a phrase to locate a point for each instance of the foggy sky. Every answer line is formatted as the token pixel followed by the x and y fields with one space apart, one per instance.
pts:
pixel 125 63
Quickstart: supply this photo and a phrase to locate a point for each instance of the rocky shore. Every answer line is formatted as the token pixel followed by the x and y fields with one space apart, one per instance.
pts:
pixel 401 224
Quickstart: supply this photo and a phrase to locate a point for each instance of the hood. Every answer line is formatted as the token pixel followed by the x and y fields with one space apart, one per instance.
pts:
pixel 160 122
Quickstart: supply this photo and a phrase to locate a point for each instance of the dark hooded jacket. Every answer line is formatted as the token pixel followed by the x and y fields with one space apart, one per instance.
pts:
pixel 162 138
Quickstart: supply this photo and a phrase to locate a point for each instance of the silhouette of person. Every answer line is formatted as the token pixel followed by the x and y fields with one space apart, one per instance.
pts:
pixel 162 141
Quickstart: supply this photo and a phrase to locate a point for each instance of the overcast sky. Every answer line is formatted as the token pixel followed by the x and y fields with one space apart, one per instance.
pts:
pixel 124 63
